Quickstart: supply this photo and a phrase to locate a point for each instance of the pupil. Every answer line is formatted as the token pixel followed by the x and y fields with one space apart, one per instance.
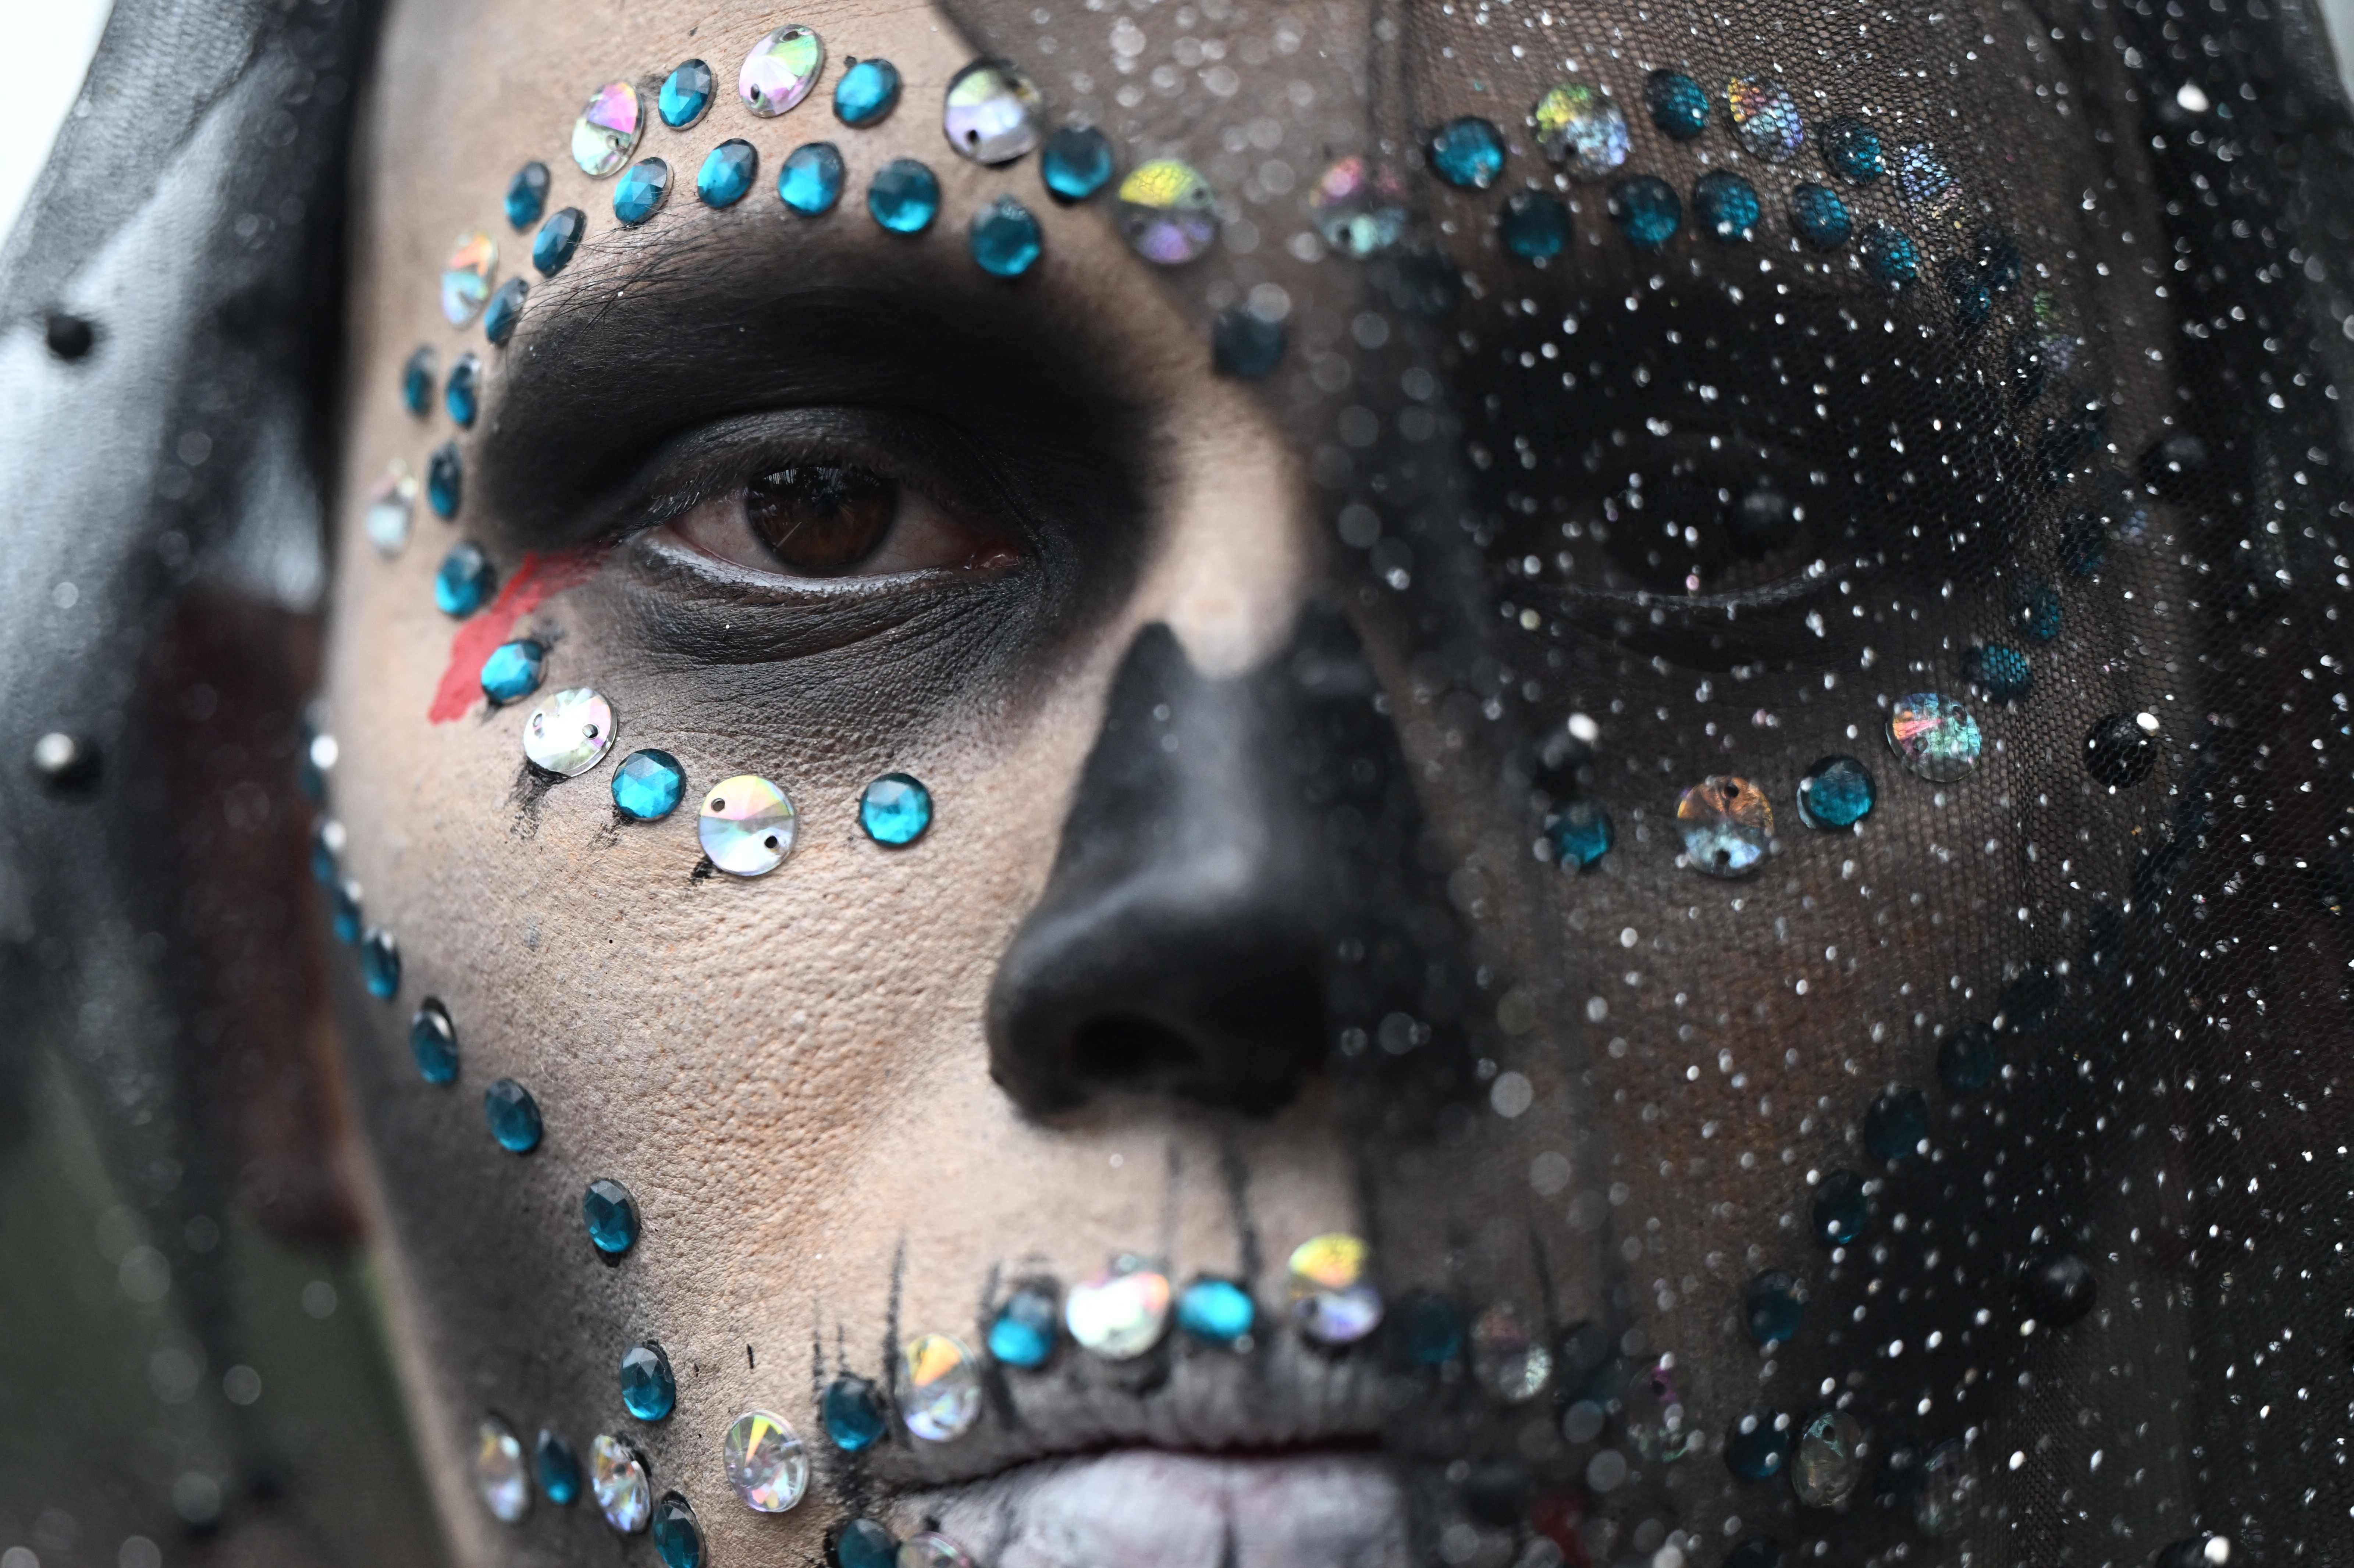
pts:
pixel 821 521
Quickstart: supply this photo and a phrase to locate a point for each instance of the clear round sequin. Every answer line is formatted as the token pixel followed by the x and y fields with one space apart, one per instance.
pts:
pixel 392 503
pixel 1508 1356
pixel 990 113
pixel 780 70
pixel 1764 118
pixel 1120 1312
pixel 1331 1299
pixel 500 1473
pixel 570 732
pixel 1167 212
pixel 942 1381
pixel 617 1479
pixel 608 130
pixel 1358 205
pixel 1829 1459
pixel 747 826
pixel 1658 1422
pixel 765 1462
pixel 466 276
pixel 1936 736
pixel 1580 129
pixel 1726 826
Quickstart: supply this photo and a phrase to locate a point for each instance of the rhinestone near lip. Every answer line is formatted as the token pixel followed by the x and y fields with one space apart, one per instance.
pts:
pixel 990 112
pixel 1217 1312
pixel 942 1379
pixel 618 1480
pixel 765 1461
pixel 780 70
pixel 569 733
pixel 853 1413
pixel 648 1389
pixel 1023 1332
pixel 932 1550
pixel 864 1544
pixel 607 132
pixel 499 1473
pixel 1120 1312
pixel 1726 826
pixel 1334 1303
pixel 466 276
pixel 747 826
pixel 1167 212
pixel 1934 736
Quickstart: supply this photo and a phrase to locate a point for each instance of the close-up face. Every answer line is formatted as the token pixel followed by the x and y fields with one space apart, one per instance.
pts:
pixel 1297 784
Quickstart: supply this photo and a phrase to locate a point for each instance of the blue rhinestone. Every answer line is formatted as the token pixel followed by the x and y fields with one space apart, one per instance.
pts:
pixel 2035 607
pixel 463 584
pixel 1077 163
pixel 638 194
pixel 1773 1304
pixel 513 1115
pixel 1428 1329
pixel 558 1467
pixel 2002 673
pixel 506 309
pixel 862 1543
pixel 1579 833
pixel 433 1041
pixel 1468 153
pixel 1678 105
pixel 1022 1334
pixel 527 195
pixel 1968 1059
pixel 1896 1125
pixel 1727 206
pixel 344 912
pixel 647 1390
pixel 1836 792
pixel 380 963
pixel 1853 150
pixel 1535 228
pixel 686 95
pixel 445 480
pixel 558 238
pixel 904 196
pixel 1647 210
pixel 728 173
pixel 648 785
pixel 1891 254
pixel 1244 345
pixel 325 870
pixel 417 383
pixel 1005 239
pixel 463 395
pixel 512 671
pixel 2084 543
pixel 866 92
pixel 1841 1208
pixel 1819 215
pixel 1217 1312
pixel 1973 302
pixel 611 1216
pixel 894 810
pixel 1999 262
pixel 678 1539
pixel 853 1413
pixel 1758 1446
pixel 811 180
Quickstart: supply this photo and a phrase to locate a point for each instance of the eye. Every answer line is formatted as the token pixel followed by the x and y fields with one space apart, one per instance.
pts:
pixel 838 519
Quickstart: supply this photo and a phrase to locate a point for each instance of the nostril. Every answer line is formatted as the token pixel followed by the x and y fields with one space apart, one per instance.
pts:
pixel 1120 1052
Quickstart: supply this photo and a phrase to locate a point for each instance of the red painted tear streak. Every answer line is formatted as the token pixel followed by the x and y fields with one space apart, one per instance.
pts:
pixel 536 580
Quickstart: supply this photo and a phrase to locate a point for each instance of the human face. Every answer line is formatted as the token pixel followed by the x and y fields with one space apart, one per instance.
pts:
pixel 1240 704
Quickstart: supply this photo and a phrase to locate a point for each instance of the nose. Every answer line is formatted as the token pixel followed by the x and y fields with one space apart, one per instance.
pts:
pixel 1194 938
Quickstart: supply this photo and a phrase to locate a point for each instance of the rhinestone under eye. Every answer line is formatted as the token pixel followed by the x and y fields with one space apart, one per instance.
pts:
pixel 527 195
pixel 990 112
pixel 686 94
pixel 1765 118
pixel 1851 148
pixel 1727 206
pixel 1819 215
pixel 780 70
pixel 1077 163
pixel 1535 228
pixel 747 826
pixel 942 1381
pixel 1934 737
pixel 728 173
pixel 904 196
pixel 1167 212
pixel 608 130
pixel 639 195
pixel 1004 238
pixel 1679 105
pixel 557 239
pixel 810 182
pixel 1580 129
pixel 1357 206
pixel 1726 826
pixel 866 93
pixel 569 733
pixel 466 276
pixel 1647 210
pixel 1468 153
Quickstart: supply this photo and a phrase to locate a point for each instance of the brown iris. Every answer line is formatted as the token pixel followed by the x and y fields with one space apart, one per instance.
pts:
pixel 821 522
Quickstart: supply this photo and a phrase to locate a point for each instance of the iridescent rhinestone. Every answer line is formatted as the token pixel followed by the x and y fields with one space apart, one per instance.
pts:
pixel 1427 1328
pixel 1655 1421
pixel 1891 254
pixel 1851 148
pixel 1468 153
pixel 1077 163
pixel 864 1544
pixel 648 1389
pixel 2121 749
pixel 932 1550
pixel 1647 210
pixel 990 113
pixel 1358 205
pixel 1023 1332
pixel 1758 1446
pixel 1119 1312
pixel 1773 1304
pixel 1331 1299
pixel 433 1042
pixel 1926 183
pixel 466 276
pixel 607 132
pixel 465 580
pixel 678 1536
pixel 1679 105
pixel 1948 1489
pixel 942 1379
pixel 380 963
pixel 1819 215
pixel 570 732
pixel 1005 239
pixel 765 1461
pixel 1217 1312
pixel 499 1473
pixel 392 502
pixel 1535 228
pixel 512 1116
pixel 748 827
pixel 559 1468
pixel 611 1216
pixel 463 393
pixel 1830 1459
pixel 1896 1126
pixel 505 312
pixel 1936 737
pixel 1245 344
pixel 1727 206
pixel 2002 673
pixel 445 480
pixel 1579 834
pixel 866 93
pixel 1167 212
pixel 1580 129
pixel 418 374
pixel 527 195
pixel 1765 118
pixel 648 785
pixel 904 196
pixel 810 179
pixel 1836 792
pixel 557 239
pixel 686 94
pixel 1726 826
pixel 853 1413
pixel 1841 1208
pixel 780 70
pixel 617 1478
pixel 639 194
pixel 728 173
pixel 1508 1356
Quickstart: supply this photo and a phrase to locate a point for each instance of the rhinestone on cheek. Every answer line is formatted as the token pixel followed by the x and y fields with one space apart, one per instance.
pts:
pixel 466 276
pixel 810 179
pixel 607 132
pixel 499 1473
pixel 433 1042
pixel 570 732
pixel 942 1378
pixel 1828 1461
pixel 558 1469
pixel 512 1116
pixel 1217 1312
pixel 1836 792
pixel 505 312
pixel 990 112
pixel 2003 673
pixel 1077 163
pixel 1120 1312
pixel 1928 185
pixel 558 238
pixel 445 480
pixel 894 810
pixel 1841 1208
pixel 1726 826
pixel 1167 212
pixel 686 94
pixel 617 1477
pixel 747 826
pixel 1679 105
pixel 418 374
pixel 648 785
pixel 392 503
pixel 1773 1306
pixel 512 671
pixel 678 1535
pixel 866 93
pixel 2121 749
pixel 1468 153
pixel 527 195
pixel 1647 210
pixel 852 1411
pixel 1891 255
pixel 380 963
pixel 1896 1126
pixel 639 194
pixel 780 70
pixel 1852 151
pixel 1358 205
pixel 728 173
pixel 904 196
pixel 464 582
pixel 1334 1303
pixel 611 1216
pixel 1535 228
pixel 1765 118
pixel 1727 206
pixel 1579 834
pixel 1023 1332
pixel 1005 239
pixel 648 1389
pixel 765 1462
pixel 1934 737
pixel 1819 215
pixel 1580 129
